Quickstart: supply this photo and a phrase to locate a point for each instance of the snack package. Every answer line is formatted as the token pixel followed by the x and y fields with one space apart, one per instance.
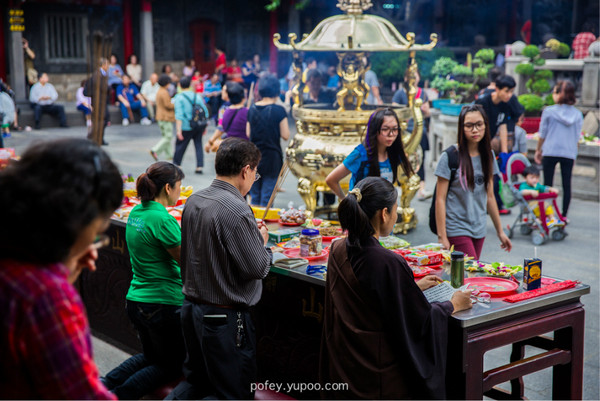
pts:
pixel 424 258
pixel 282 235
pixel 393 242
pixel 432 246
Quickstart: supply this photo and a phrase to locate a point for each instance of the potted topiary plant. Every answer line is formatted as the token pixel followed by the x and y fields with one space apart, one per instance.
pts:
pixel 441 71
pixel 537 85
pixel 460 82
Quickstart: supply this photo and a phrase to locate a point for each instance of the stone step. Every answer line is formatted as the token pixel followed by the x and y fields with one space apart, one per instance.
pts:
pixel 74 117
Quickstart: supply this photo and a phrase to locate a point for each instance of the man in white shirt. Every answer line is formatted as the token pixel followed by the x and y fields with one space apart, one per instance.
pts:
pixel 374 97
pixel 42 97
pixel 149 90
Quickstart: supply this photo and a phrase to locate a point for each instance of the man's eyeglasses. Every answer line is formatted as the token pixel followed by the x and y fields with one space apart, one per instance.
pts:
pixel 257 177
pixel 387 131
pixel 472 126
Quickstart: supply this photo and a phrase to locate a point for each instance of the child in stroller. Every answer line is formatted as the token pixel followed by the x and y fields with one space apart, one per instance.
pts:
pixel 535 217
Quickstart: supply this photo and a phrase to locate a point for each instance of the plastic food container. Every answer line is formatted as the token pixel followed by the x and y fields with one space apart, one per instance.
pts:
pixel 311 242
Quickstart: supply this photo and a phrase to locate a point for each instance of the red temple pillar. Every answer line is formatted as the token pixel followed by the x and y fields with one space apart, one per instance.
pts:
pixel 127 32
pixel 272 48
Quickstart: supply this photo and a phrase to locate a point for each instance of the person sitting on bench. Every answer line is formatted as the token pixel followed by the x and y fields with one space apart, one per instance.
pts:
pixel 42 97
pixel 130 99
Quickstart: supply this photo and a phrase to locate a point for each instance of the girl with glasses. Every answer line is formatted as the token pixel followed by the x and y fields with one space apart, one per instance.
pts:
pixel 379 155
pixel 464 197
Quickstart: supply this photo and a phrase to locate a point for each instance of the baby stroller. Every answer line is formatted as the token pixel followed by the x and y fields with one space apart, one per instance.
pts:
pixel 528 222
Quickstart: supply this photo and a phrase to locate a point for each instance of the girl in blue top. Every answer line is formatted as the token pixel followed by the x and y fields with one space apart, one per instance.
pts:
pixel 378 156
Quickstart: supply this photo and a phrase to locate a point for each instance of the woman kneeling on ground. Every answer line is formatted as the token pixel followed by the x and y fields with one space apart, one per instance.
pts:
pixel 380 335
pixel 154 298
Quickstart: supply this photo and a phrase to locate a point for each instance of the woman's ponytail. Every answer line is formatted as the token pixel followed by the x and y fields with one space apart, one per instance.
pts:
pixel 358 208
pixel 159 174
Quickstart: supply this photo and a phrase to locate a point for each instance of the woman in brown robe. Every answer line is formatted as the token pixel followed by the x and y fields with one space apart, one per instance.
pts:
pixel 380 335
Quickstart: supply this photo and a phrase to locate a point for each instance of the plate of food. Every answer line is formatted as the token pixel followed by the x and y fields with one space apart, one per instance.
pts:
pixel 496 287
pixel 330 233
pixel 289 223
pixel 295 253
pixel 493 269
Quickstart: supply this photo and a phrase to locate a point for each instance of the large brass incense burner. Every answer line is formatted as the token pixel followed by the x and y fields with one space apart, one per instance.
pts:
pixel 327 133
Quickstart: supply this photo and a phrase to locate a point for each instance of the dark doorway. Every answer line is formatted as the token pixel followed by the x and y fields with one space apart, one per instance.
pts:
pixel 203 45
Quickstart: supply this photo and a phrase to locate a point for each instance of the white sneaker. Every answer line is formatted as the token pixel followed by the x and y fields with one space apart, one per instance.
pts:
pixel 125 122
pixel 145 121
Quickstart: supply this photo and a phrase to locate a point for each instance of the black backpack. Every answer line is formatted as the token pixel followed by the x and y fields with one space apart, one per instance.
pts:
pixel 199 118
pixel 452 153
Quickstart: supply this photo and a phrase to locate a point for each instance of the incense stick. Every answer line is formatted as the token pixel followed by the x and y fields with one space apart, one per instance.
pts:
pixel 280 179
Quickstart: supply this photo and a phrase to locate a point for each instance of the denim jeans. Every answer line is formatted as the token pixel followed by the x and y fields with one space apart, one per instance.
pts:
pixel 159 330
pixel 135 105
pixel 262 189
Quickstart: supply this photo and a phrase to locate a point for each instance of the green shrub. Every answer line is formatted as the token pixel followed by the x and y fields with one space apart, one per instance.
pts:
pixel 533 104
pixel 437 83
pixel 531 51
pixel 463 70
pixel 443 66
pixel 543 74
pixel 540 86
pixel 524 69
pixel 480 72
pixel 564 50
pixel 485 55
pixel 549 100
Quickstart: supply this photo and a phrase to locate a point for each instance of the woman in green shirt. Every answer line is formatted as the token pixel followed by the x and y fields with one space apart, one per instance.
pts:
pixel 154 298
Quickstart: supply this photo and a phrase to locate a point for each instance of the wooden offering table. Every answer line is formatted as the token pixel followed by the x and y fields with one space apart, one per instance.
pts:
pixel 485 327
pixel 289 320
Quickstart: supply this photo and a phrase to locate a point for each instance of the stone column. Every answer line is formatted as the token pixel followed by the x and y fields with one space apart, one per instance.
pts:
pixel 146 40
pixel 511 63
pixel 17 66
pixel 590 82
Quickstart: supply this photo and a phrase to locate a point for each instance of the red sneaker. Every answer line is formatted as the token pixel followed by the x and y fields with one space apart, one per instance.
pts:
pixel 504 211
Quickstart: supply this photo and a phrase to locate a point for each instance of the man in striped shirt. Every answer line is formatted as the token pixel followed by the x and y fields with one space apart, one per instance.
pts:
pixel 224 258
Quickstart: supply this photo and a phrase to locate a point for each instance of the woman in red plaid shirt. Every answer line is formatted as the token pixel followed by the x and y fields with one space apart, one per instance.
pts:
pixel 54 203
pixel 583 40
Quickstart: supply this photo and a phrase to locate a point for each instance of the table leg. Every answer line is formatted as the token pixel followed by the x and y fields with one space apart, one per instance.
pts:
pixel 567 379
pixel 474 373
pixel 517 385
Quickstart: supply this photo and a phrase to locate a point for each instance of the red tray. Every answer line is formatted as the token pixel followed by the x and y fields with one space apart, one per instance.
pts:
pixel 295 253
pixel 290 224
pixel 496 287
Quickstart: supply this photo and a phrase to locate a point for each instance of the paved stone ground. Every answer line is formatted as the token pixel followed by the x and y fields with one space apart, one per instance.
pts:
pixel 577 257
